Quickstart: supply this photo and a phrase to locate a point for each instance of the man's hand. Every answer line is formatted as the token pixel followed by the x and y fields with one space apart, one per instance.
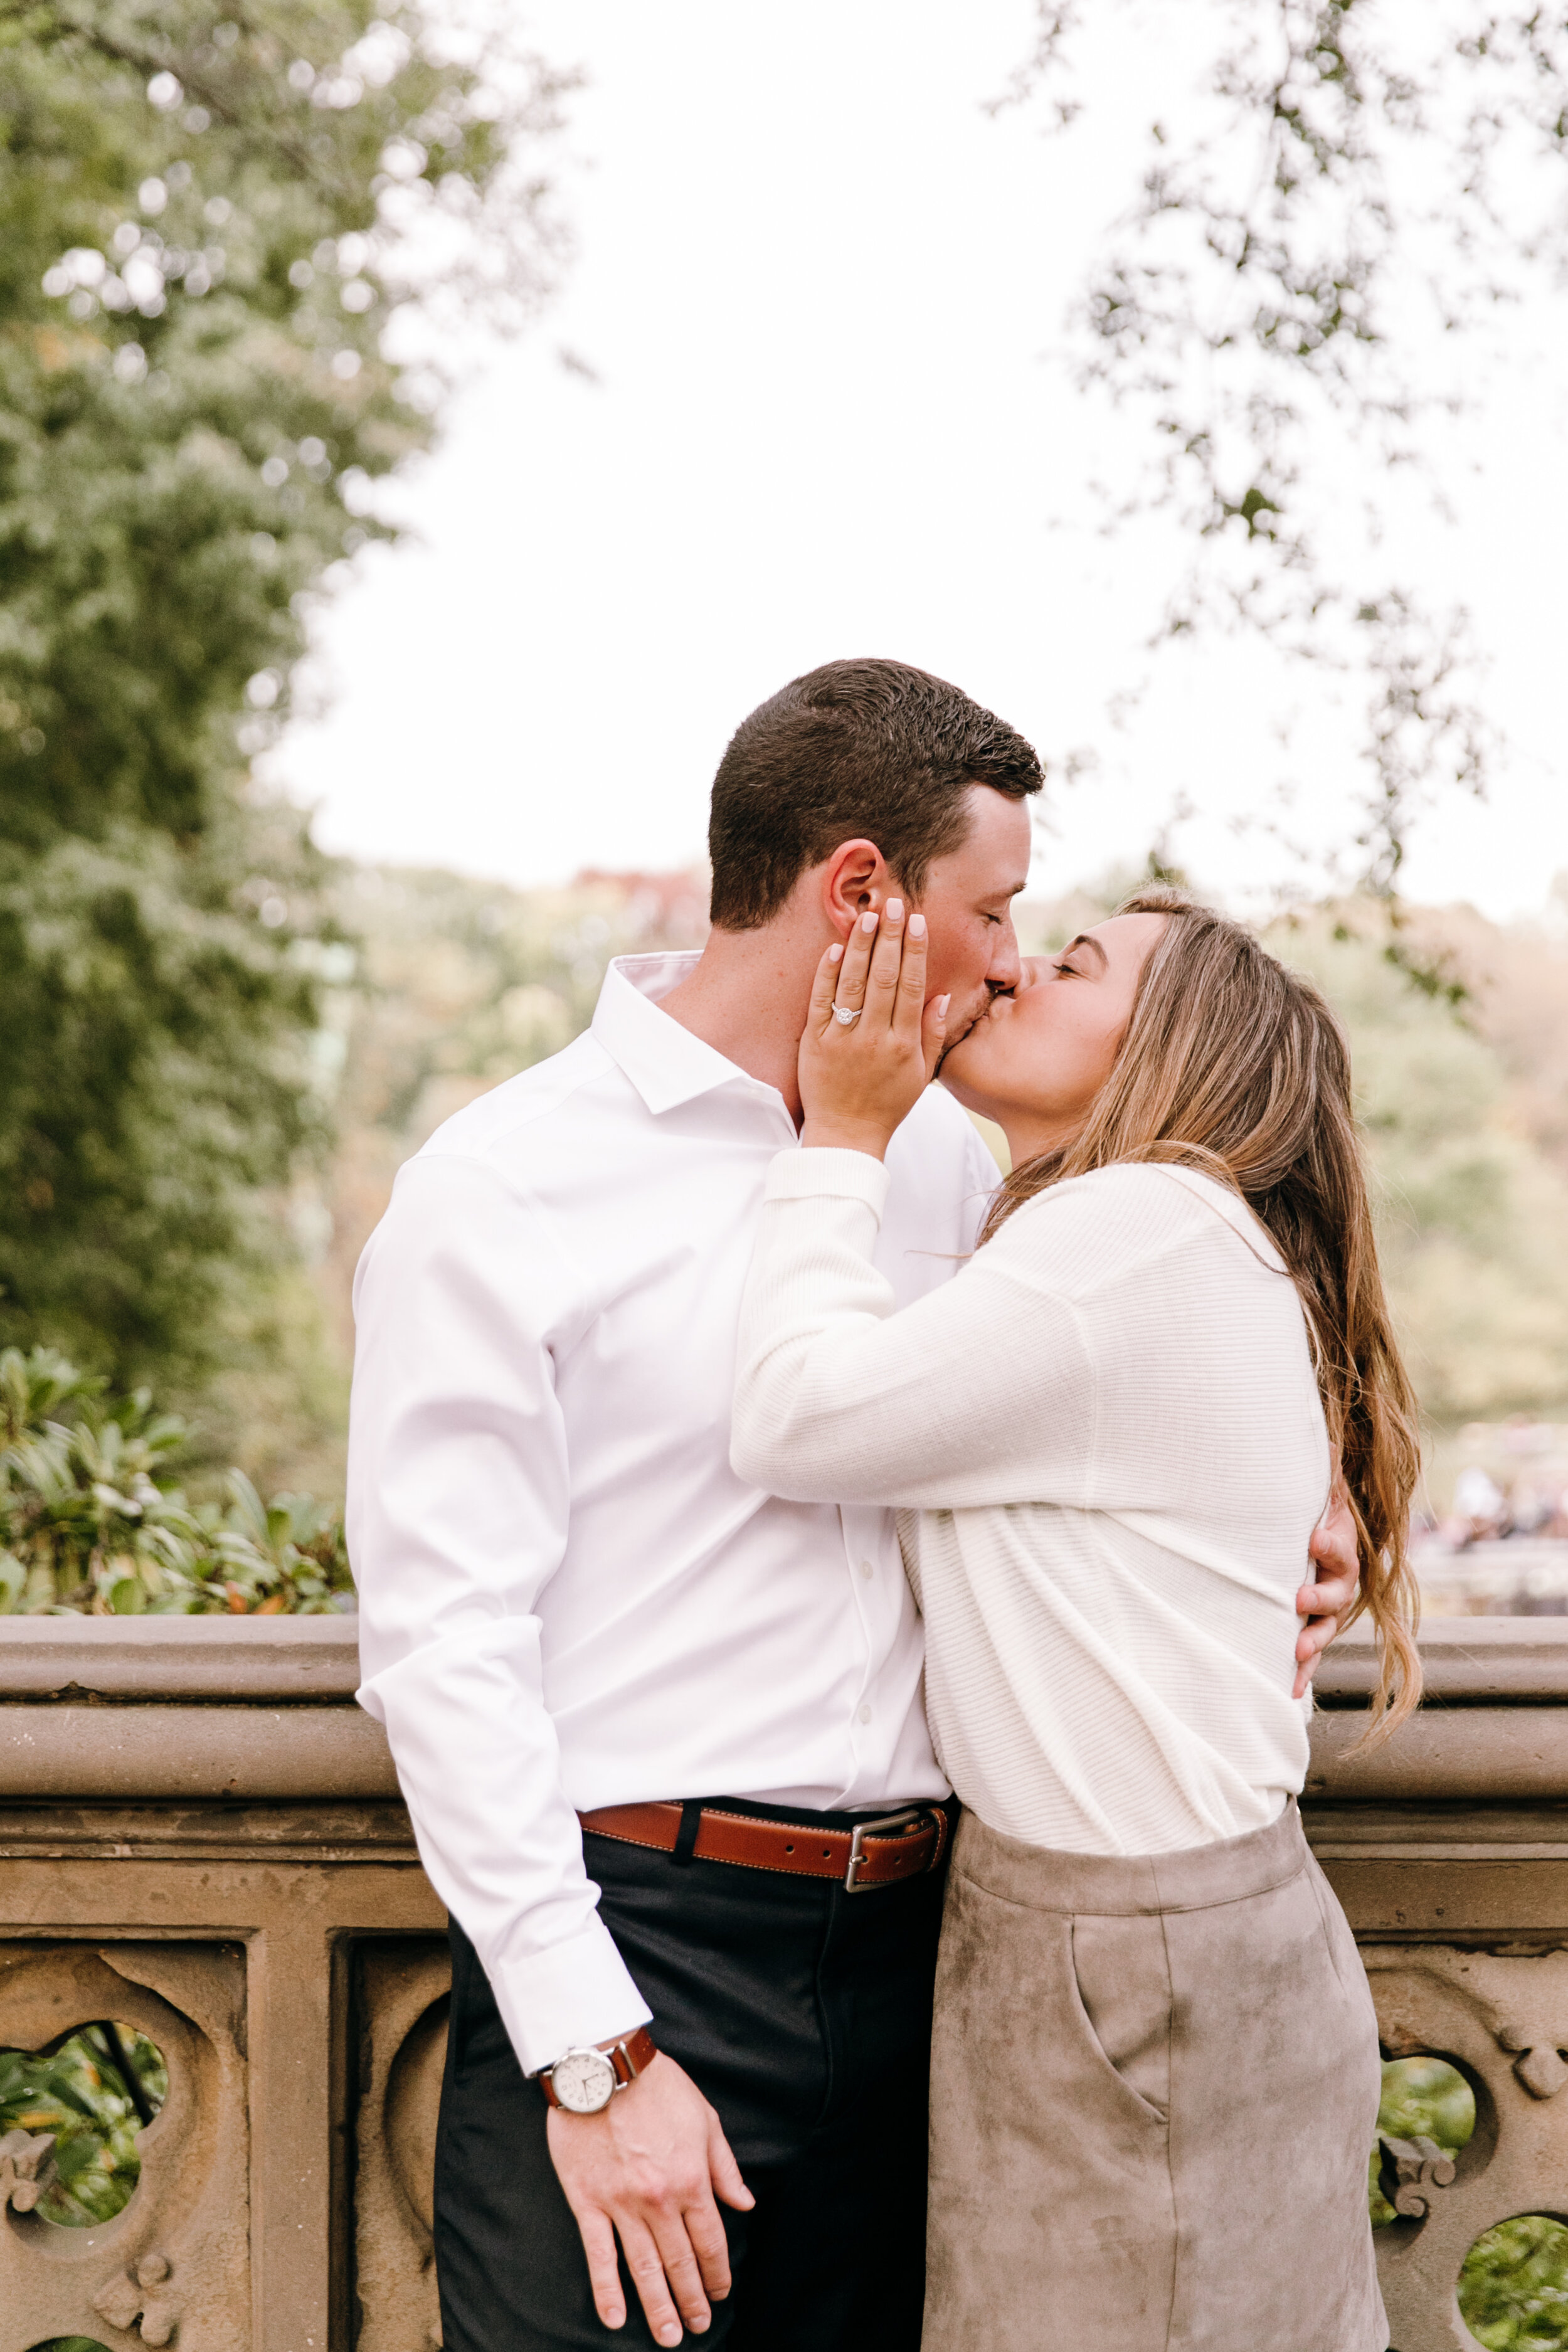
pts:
pixel 1332 1544
pixel 650 2166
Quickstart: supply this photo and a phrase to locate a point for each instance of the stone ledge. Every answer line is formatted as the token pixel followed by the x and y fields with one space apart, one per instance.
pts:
pixel 281 1660
pixel 1488 1755
pixel 320 1830
pixel 235 1754
pixel 1467 1660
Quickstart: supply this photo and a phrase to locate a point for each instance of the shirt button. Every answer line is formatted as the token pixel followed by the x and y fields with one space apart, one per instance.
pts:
pixel 866 1568
pixel 865 1715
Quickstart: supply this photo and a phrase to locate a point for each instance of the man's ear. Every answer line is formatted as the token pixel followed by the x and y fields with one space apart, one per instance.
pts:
pixel 855 881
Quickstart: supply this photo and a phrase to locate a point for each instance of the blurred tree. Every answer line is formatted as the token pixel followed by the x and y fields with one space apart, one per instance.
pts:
pixel 1322 208
pixel 1472 1212
pixel 234 247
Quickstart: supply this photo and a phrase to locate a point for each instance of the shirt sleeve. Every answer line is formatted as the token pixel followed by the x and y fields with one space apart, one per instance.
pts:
pixel 458 1507
pixel 984 1392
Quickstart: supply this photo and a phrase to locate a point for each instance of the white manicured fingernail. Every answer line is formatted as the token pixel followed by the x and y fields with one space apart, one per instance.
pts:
pixel 895 911
pixel 835 953
pixel 869 922
pixel 941 1004
pixel 917 927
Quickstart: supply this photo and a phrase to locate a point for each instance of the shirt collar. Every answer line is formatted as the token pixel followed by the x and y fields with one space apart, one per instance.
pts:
pixel 665 1063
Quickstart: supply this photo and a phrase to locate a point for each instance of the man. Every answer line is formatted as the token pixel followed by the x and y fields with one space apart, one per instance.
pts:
pixel 644 1715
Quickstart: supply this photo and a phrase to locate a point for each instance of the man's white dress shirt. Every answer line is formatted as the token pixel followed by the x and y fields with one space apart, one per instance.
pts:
pixel 567 1598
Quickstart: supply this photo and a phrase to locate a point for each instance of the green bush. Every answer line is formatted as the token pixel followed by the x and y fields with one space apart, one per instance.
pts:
pixel 1514 2288
pixel 93 2096
pixel 92 1520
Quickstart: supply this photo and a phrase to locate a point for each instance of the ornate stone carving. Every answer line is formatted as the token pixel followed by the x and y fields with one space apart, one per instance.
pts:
pixel 140 2295
pixel 26 2168
pixel 1409 2171
pixel 1502 2019
pixel 188 2218
pixel 402 2042
pixel 1540 2067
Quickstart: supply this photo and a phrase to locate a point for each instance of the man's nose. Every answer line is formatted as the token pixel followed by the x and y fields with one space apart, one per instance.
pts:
pixel 1002 971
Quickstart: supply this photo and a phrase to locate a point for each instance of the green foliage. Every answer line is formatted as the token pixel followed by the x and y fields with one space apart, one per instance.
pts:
pixel 1514 2288
pixel 90 1518
pixel 205 226
pixel 95 2093
pixel 1422 2098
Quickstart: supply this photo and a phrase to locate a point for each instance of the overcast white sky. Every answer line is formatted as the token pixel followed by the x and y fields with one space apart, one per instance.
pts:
pixel 821 287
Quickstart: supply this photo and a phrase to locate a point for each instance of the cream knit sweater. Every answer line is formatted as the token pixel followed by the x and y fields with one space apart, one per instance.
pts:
pixel 1107 1434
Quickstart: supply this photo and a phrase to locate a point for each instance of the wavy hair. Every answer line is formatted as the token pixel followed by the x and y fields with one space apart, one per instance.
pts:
pixel 1234 1065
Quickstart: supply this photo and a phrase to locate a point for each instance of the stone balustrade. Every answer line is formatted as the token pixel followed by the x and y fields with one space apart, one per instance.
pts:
pixel 200 1839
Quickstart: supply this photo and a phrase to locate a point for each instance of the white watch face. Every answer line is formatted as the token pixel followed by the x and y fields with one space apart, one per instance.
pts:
pixel 583 2080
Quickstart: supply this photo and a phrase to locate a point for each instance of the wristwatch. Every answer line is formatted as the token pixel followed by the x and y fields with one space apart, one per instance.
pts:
pixel 584 2082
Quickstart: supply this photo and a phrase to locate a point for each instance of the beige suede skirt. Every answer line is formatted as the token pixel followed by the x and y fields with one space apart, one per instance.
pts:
pixel 1155 2088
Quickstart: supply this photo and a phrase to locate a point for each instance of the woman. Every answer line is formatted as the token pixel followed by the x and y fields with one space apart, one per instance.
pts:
pixel 1155 2070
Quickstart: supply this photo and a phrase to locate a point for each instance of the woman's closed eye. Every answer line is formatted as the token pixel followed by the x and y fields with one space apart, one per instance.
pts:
pixel 1081 959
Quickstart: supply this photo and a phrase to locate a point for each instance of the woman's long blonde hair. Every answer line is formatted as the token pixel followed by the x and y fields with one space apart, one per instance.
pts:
pixel 1234 1065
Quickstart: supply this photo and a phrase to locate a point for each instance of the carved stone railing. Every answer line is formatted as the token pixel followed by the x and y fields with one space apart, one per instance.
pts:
pixel 200 1837
pixel 1448 1849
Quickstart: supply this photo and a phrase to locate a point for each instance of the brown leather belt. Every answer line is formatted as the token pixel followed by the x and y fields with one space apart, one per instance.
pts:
pixel 882 1852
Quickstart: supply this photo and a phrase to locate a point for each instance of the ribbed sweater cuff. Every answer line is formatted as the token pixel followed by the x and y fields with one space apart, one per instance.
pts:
pixel 823 1175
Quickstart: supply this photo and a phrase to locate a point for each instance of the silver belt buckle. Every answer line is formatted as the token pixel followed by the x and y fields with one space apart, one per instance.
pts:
pixel 877 1828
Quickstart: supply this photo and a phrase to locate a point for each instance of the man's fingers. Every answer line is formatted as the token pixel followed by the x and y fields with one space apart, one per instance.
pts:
pixel 1329 1597
pixel 724 2172
pixel 1310 1642
pixel 682 2268
pixel 710 2245
pixel 668 2267
pixel 647 2267
pixel 1323 1605
pixel 1314 1639
pixel 604 2271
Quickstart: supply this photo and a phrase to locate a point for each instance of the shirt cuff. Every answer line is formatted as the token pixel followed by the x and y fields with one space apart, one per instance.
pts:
pixel 823 1174
pixel 568 1997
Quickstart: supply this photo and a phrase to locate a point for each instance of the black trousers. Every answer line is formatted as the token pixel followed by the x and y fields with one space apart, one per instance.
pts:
pixel 804 2013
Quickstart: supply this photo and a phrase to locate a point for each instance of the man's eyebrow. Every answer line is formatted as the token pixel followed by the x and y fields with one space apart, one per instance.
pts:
pixel 1087 940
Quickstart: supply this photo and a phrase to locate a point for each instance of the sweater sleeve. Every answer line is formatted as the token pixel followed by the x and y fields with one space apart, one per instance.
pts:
pixel 981 1392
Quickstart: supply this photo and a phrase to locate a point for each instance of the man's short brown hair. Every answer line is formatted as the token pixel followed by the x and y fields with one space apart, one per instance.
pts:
pixel 872 749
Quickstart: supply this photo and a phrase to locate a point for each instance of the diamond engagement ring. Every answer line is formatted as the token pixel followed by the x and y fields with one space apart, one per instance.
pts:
pixel 847 1015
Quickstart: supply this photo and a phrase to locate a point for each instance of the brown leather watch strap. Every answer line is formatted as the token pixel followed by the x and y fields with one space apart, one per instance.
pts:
pixel 880 1852
pixel 633 2054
